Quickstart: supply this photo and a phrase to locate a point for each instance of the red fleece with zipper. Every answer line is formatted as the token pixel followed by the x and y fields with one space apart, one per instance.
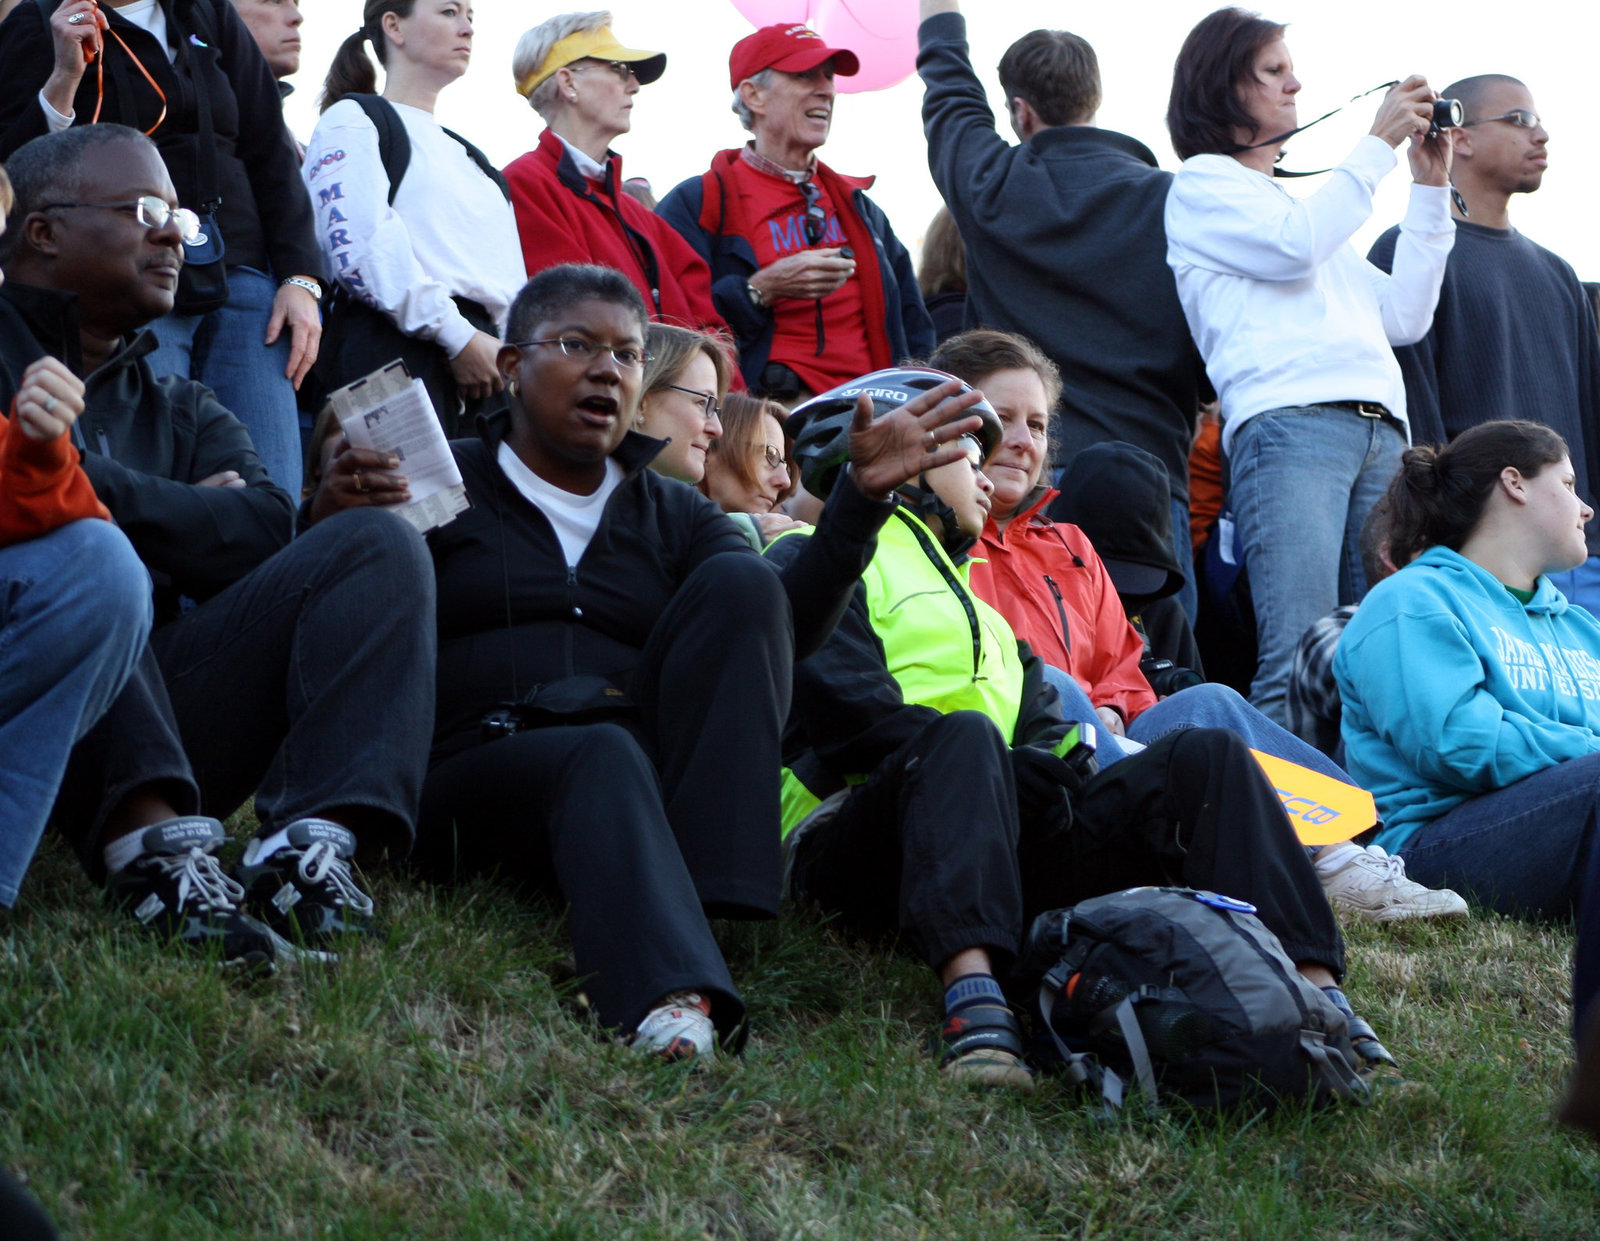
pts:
pixel 42 486
pixel 1045 578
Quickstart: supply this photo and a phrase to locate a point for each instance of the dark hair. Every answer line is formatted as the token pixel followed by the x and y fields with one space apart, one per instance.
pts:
pixel 1056 73
pixel 741 417
pixel 1472 92
pixel 944 257
pixel 351 72
pixel 1438 497
pixel 50 169
pixel 975 355
pixel 1217 58
pixel 557 289
pixel 1377 559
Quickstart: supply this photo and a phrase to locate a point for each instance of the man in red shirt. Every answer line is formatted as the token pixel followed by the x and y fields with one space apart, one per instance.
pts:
pixel 804 266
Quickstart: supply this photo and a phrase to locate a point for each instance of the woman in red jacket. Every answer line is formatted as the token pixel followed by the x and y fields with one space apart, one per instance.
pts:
pixel 567 191
pixel 1046 580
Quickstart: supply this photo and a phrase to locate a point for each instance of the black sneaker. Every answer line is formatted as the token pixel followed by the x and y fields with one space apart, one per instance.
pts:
pixel 177 889
pixel 305 892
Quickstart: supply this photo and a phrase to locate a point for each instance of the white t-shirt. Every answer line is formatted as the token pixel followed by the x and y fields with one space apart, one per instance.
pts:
pixel 450 233
pixel 1284 310
pixel 574 518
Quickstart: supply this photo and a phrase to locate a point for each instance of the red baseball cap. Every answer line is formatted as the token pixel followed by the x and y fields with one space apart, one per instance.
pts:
pixel 788 49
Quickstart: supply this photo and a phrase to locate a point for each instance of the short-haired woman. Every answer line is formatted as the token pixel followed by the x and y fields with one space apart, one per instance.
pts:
pixel 568 191
pixel 1471 687
pixel 615 661
pixel 425 269
pixel 1295 327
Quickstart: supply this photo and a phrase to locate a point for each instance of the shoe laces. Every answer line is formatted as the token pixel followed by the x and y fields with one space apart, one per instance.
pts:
pixel 200 880
pixel 321 865
pixel 1390 866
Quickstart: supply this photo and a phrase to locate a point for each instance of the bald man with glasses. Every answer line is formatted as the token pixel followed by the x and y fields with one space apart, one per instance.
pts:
pixel 1514 335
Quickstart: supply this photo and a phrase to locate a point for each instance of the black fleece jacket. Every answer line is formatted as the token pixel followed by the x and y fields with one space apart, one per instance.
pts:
pixel 1066 246
pixel 512 615
pixel 146 444
pixel 265 216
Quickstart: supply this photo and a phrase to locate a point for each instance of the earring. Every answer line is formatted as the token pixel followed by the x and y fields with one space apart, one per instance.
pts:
pixel 573 95
pixel 511 387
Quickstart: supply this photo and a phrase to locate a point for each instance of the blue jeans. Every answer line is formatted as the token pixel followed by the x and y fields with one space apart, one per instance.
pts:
pixel 1200 706
pixel 74 615
pixel 1581 585
pixel 224 351
pixel 1301 482
pixel 1521 850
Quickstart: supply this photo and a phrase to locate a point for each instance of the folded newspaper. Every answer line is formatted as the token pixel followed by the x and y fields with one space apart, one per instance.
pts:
pixel 388 411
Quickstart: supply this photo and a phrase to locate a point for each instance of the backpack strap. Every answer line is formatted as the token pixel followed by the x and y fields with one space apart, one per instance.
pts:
pixel 482 161
pixel 394 144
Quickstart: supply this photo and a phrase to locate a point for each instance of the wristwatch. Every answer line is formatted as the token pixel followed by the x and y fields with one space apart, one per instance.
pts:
pixel 754 294
pixel 300 282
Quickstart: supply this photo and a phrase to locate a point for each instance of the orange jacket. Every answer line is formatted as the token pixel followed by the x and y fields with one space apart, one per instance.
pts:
pixel 1044 577
pixel 42 486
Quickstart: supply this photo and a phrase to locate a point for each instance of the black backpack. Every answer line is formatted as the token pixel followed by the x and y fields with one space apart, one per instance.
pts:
pixel 394 144
pixel 1188 995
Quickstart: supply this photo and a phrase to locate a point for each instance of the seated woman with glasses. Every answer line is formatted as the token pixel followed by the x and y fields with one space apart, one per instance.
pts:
pixel 568 191
pixel 405 284
pixel 685 381
pixel 615 661
pixel 748 474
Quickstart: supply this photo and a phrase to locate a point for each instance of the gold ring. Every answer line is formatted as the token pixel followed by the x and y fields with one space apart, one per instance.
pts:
pixel 933 443
pixel 361 483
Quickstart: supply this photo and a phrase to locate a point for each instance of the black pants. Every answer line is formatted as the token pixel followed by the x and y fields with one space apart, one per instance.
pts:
pixel 357 340
pixel 646 828
pixel 932 846
pixel 309 683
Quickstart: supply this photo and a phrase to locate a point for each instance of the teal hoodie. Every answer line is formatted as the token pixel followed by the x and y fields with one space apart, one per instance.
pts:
pixel 1453 688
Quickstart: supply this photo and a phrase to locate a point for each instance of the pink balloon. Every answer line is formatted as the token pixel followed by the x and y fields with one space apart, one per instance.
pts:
pixel 771 12
pixel 882 34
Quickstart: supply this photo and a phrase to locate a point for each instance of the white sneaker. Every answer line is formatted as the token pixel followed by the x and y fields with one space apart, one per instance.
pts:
pixel 1371 885
pixel 679 1028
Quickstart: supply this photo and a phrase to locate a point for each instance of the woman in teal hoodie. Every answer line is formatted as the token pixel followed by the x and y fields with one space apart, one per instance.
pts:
pixel 1471 686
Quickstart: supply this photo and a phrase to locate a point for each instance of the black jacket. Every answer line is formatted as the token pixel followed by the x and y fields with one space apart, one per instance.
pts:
pixel 511 614
pixel 1066 245
pixel 265 216
pixel 145 444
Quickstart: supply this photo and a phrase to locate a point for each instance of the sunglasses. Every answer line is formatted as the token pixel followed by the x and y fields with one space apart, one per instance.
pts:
pixel 148 210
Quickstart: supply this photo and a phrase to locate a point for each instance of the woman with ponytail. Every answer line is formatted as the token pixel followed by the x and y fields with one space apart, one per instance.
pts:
pixel 419 235
pixel 1471 686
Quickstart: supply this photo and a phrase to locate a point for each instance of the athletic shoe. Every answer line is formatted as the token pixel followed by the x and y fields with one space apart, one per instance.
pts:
pixel 1371 885
pixel 305 892
pixel 679 1028
pixel 1363 1038
pixel 983 1047
pixel 176 889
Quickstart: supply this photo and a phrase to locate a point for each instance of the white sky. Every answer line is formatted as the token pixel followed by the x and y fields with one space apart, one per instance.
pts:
pixel 1339 48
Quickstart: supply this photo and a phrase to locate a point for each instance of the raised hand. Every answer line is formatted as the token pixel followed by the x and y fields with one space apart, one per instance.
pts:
pixel 919 436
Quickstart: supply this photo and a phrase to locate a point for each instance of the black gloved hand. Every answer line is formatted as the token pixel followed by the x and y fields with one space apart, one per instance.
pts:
pixel 1043 782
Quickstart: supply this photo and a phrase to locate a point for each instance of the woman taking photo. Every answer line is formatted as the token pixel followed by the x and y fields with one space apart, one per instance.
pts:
pixel 1295 327
pixel 685 381
pixel 191 77
pixel 425 262
pixel 1471 687
pixel 1045 578
pixel 568 190
pixel 615 661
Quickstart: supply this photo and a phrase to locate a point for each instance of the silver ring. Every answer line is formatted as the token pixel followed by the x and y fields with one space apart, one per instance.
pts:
pixel 50 404
pixel 76 19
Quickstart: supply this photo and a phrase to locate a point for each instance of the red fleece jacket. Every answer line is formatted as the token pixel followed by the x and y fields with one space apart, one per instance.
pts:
pixel 1045 578
pixel 42 486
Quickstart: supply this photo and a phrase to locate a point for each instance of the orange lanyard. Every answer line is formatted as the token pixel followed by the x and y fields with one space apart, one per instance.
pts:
pixel 100 81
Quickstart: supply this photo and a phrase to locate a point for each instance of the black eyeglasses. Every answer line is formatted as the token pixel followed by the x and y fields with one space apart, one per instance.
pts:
pixel 1520 117
pixel 619 67
pixel 625 356
pixel 149 210
pixel 706 400
pixel 772 455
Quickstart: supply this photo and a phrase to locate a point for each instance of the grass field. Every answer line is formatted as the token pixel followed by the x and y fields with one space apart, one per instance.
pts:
pixel 443 1083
